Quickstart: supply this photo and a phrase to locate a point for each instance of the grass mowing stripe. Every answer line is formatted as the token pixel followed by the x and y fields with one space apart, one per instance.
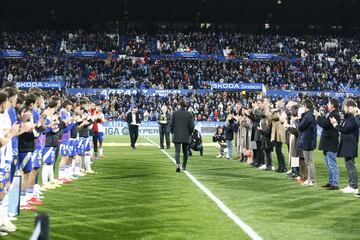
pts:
pixel 246 228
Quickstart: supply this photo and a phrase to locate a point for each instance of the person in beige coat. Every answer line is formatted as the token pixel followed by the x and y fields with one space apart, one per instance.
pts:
pixel 243 134
pixel 278 138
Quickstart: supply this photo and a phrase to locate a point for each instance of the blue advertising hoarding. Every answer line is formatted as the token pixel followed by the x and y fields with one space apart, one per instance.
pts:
pixel 12 54
pixel 40 84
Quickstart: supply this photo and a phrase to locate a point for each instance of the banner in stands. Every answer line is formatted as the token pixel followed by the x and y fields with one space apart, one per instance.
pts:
pixel 237 86
pixel 152 128
pixel 148 92
pixel 193 54
pixel 288 93
pixel 89 54
pixel 12 54
pixel 262 55
pixel 40 84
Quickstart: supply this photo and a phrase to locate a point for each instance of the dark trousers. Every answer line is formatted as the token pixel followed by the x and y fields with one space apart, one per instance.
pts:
pixel 185 147
pixel 280 155
pixel 352 172
pixel 258 155
pixel 95 142
pixel 163 133
pixel 268 160
pixel 134 133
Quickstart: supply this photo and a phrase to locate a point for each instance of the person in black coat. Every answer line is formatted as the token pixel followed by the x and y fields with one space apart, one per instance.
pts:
pixel 307 139
pixel 348 147
pixel 133 121
pixel 329 143
pixel 265 130
pixel 181 127
pixel 230 128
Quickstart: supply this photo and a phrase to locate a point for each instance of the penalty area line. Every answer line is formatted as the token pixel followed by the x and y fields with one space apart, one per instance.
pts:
pixel 246 228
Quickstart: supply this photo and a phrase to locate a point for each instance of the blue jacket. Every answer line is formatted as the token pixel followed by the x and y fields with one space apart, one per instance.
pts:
pixel 307 131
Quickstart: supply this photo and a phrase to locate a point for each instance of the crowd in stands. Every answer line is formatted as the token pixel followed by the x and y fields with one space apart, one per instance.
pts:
pixel 303 63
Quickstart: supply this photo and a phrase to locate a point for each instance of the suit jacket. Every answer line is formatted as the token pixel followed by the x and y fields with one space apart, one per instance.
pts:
pixel 181 126
pixel 307 131
pixel 349 138
pixel 129 118
pixel 329 140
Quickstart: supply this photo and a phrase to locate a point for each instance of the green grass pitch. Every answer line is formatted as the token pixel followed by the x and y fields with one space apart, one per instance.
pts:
pixel 136 194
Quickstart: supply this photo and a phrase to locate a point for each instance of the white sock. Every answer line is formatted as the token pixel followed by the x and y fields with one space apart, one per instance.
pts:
pixel 5 208
pixel 87 163
pixel 51 173
pixel 62 172
pixel 1 219
pixel 45 174
pixel 82 162
pixel 101 150
pixel 3 212
pixel 69 170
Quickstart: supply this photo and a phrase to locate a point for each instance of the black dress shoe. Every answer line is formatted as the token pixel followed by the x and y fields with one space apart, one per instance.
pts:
pixel 183 167
pixel 177 169
pixel 333 188
pixel 326 185
pixel 281 170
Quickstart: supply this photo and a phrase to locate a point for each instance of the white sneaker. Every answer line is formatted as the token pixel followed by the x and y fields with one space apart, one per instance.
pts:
pixel 7 227
pixel 345 188
pixel 308 183
pixel 90 171
pixel 272 168
pixel 80 174
pixel 288 172
pixel 219 156
pixel 262 167
pixel 11 218
pixel 58 182
pixel 3 234
pixel 350 190
pixel 38 188
pixel 9 224
pixel 38 196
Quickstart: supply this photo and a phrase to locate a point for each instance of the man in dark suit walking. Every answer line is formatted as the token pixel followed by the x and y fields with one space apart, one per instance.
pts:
pixel 181 127
pixel 133 120
pixel 348 147
pixel 329 143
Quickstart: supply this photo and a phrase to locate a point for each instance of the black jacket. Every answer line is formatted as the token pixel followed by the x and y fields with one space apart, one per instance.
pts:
pixel 230 128
pixel 266 137
pixel 85 131
pixel 329 140
pixel 181 126
pixel 349 138
pixel 27 142
pixel 129 119
pixel 307 132
pixel 220 138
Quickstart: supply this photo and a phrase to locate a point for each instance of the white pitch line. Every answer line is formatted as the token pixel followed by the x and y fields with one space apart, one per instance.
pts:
pixel 246 228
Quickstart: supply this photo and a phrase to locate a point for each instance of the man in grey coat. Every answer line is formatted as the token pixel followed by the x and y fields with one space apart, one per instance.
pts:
pixel 181 127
